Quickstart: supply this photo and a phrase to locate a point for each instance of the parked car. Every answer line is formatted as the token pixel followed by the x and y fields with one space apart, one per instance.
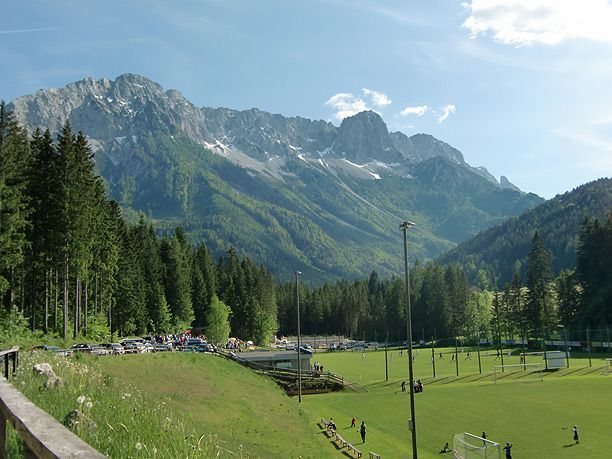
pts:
pixel 194 345
pixel 133 346
pixel 162 347
pixel 52 348
pixel 113 348
pixel 88 348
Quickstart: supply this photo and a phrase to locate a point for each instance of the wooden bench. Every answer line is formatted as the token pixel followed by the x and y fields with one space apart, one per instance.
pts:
pixel 374 455
pixel 338 438
pixel 352 449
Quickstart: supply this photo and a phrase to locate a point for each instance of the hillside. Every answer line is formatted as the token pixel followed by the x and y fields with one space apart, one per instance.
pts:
pixel 170 405
pixel 558 222
pixel 290 193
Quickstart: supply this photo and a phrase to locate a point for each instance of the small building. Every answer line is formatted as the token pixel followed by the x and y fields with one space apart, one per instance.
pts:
pixel 278 359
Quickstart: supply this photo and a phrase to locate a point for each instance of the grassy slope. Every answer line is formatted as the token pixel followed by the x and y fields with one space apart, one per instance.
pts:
pixel 179 404
pixel 218 396
pixel 535 415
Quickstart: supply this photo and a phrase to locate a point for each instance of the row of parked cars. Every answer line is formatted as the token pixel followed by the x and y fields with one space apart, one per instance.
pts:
pixel 133 346
pixel 354 345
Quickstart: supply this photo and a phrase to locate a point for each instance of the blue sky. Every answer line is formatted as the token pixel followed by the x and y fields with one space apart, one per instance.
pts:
pixel 522 87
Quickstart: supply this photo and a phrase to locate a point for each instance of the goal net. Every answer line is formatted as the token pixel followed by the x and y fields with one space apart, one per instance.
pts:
pixel 498 370
pixel 468 446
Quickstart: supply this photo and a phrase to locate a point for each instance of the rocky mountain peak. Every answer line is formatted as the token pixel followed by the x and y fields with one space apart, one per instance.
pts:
pixel 365 137
pixel 505 184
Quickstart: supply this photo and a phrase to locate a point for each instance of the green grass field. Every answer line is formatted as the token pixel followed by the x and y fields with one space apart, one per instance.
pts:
pixel 199 405
pixel 535 414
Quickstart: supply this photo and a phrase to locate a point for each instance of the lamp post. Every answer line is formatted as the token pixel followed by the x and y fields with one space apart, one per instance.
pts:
pixel 564 330
pixel 412 423
pixel 299 343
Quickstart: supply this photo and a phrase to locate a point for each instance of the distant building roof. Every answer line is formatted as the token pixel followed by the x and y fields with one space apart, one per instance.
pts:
pixel 272 355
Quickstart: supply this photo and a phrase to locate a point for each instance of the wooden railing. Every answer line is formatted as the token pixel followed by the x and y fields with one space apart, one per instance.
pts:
pixel 43 437
pixel 11 354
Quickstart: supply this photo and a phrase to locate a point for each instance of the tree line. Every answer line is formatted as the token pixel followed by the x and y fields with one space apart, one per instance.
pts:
pixel 73 265
pixel 445 304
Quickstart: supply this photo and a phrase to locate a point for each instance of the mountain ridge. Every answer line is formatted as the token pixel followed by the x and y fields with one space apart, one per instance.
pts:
pixel 292 193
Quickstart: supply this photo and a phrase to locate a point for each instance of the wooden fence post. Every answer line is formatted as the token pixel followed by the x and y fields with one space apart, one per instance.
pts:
pixel 2 435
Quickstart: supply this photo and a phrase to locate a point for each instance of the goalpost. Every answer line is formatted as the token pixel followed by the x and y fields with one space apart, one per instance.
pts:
pixel 534 367
pixel 608 367
pixel 468 446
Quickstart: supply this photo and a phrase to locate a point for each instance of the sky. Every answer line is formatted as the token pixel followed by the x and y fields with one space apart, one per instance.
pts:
pixel 522 87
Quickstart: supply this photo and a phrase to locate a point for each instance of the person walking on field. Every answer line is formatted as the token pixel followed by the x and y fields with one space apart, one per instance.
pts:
pixel 362 431
pixel 575 429
pixel 508 450
pixel 353 421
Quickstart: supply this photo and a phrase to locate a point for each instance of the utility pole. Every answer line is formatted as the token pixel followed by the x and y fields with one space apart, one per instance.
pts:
pixel 412 422
pixel 299 344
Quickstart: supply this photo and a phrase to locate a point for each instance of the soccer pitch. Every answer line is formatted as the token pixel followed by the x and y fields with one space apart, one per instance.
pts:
pixel 535 414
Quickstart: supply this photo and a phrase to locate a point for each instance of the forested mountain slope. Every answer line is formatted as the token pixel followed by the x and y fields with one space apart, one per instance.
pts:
pixel 558 221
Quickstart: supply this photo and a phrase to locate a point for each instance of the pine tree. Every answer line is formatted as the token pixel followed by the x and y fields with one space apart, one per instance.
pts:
pixel 539 308
pixel 14 161
pixel 177 279
pixel 44 235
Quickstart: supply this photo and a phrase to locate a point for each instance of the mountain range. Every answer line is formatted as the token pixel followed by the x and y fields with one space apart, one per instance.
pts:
pixel 292 193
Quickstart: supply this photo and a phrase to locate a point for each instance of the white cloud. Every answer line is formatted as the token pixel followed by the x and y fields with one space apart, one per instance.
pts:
pixel 346 104
pixel 418 111
pixel 525 22
pixel 42 29
pixel 377 98
pixel 447 110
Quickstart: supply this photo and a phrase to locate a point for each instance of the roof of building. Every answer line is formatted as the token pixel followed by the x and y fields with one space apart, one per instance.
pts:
pixel 272 355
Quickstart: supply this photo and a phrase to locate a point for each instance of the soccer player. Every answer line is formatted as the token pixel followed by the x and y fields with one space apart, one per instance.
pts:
pixel 575 430
pixel 484 437
pixel 508 451
pixel 362 431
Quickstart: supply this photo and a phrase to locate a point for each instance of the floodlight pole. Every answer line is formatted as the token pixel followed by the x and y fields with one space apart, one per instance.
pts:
pixel 299 344
pixel 433 356
pixel 386 363
pixel 589 345
pixel 565 342
pixel 456 355
pixel 478 346
pixel 404 227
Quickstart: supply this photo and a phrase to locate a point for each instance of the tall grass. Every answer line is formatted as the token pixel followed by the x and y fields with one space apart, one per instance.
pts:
pixel 117 419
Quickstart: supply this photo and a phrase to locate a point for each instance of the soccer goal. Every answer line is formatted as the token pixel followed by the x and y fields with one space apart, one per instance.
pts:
pixel 608 368
pixel 505 369
pixel 468 446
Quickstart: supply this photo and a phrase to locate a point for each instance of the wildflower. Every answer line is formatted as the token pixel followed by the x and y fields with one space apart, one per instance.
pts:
pixel 81 399
pixel 88 405
pixel 138 446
